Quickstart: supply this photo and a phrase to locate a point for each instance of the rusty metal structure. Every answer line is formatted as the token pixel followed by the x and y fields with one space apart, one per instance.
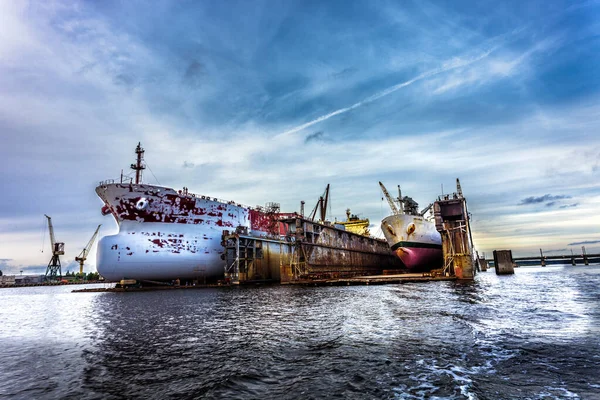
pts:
pixel 308 250
pixel 452 221
pixel 504 262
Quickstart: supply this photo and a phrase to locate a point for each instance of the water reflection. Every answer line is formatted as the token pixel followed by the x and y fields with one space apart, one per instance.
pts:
pixel 530 335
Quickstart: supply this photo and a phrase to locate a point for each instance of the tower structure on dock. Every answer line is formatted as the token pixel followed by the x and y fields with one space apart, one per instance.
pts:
pixel 452 221
pixel 53 271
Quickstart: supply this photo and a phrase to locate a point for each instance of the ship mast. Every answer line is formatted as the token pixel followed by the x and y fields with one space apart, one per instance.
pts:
pixel 138 167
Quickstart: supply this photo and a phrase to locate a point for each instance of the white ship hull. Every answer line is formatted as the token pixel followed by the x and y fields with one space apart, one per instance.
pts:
pixel 414 240
pixel 167 235
pixel 156 251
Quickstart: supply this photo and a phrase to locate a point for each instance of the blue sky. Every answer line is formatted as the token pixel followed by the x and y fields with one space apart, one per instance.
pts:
pixel 270 101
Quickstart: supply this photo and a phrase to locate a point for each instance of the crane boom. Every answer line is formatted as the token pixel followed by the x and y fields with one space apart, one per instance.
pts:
pixel 86 250
pixel 424 211
pixel 51 229
pixel 389 199
pixel 321 206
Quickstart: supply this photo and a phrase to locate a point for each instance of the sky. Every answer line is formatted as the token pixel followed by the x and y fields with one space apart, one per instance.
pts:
pixel 269 101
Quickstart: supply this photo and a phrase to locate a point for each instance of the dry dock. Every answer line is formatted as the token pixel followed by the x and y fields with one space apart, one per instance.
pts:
pixel 356 280
pixel 375 280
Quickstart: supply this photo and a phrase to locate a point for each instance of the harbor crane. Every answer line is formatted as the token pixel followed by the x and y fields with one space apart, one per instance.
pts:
pixel 84 253
pixel 393 206
pixel 321 206
pixel 403 205
pixel 58 249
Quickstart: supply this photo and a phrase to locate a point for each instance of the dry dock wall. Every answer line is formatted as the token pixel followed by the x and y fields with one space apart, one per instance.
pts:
pixel 310 250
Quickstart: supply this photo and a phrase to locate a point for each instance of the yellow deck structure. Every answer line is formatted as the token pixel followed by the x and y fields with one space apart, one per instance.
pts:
pixel 355 225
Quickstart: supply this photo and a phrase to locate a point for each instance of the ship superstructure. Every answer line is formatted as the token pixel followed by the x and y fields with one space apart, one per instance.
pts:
pixel 355 224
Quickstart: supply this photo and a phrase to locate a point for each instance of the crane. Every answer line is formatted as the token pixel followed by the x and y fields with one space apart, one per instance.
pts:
pixel 58 249
pixel 424 211
pixel 393 206
pixel 321 206
pixel 84 253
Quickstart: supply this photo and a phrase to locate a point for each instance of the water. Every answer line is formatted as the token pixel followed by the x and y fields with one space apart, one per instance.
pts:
pixel 534 335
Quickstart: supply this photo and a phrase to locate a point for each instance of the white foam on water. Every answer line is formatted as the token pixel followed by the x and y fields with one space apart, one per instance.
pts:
pixel 563 394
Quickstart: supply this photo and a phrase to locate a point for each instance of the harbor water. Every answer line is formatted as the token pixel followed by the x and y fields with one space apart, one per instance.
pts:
pixel 531 335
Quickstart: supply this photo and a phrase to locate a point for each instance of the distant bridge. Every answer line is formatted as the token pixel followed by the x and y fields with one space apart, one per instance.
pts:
pixel 542 260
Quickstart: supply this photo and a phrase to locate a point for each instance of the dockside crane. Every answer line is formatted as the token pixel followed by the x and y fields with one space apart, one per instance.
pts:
pixel 58 249
pixel 321 206
pixel 393 206
pixel 84 253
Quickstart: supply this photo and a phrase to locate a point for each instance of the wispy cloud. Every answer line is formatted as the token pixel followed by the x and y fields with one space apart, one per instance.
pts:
pixel 542 199
pixel 504 65
pixel 569 205
pixel 449 65
pixel 584 242
pixel 555 251
pixel 317 136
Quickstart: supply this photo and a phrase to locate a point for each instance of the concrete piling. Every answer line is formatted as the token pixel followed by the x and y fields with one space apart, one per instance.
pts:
pixel 483 265
pixel 504 262
pixel 542 259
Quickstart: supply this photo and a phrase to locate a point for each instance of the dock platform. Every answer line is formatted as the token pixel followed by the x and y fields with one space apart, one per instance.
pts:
pixel 374 280
pixel 352 281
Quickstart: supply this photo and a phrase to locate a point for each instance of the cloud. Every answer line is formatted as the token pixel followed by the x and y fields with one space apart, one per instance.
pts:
pixel 584 242
pixel 569 205
pixel 317 136
pixel 194 73
pixel 555 251
pixel 9 268
pixel 97 80
pixel 36 269
pixel 449 65
pixel 542 199
pixel 550 204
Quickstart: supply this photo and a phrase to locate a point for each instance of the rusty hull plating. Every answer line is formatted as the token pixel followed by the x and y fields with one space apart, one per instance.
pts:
pixel 309 251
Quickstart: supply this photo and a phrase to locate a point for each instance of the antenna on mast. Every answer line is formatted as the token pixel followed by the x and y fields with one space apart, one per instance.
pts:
pixel 138 167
